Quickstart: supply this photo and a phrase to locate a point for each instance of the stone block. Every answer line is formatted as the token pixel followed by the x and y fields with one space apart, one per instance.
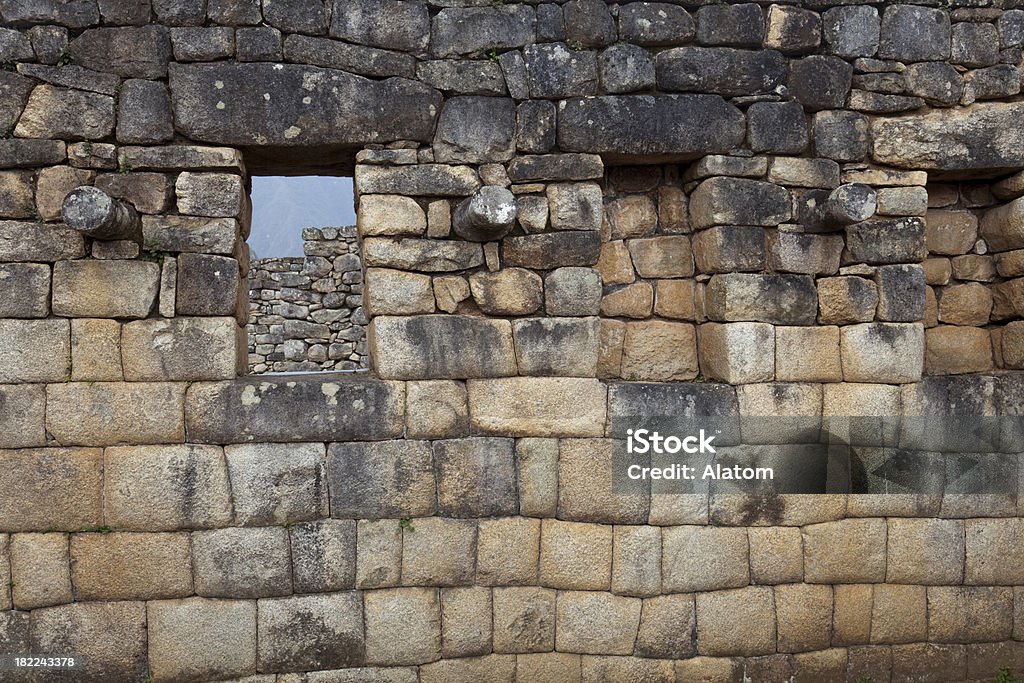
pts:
pixel 903 201
pixel 16 197
pixel 724 352
pixel 295 408
pixel 1012 342
pixel 792 30
pixel 34 350
pixel 662 257
pixel 735 72
pixel 323 556
pixel 131 566
pixel 57 113
pixel 23 416
pixel 776 555
pixel 851 31
pixel 216 195
pixel 820 82
pixel 109 413
pixel 548 666
pixel 974 267
pixel 536 406
pixel 275 484
pixel 450 291
pixel 846 299
pixel 738 201
pixel 394 292
pixel 1008 299
pixel 956 350
pixel 466 621
pixel 436 409
pixel 475 130
pixel 403 626
pixel 381 214
pixel 112 636
pixel 40 574
pixel 537 463
pixel 804 614
pixel 242 563
pixel 632 301
pixel 508 551
pixel 992 549
pixel 144 112
pixel 841 135
pixel 631 216
pixel 596 623
pixel 198 638
pixel 609 361
pixel 552 71
pixel 552 250
pixel 736 622
pixel 925 551
pixel 379 553
pixel 777 127
pixel 891 240
pixel 770 298
pixel 738 25
pixel 901 293
pixel 31 241
pixel 575 206
pixel 499 668
pixel 704 558
pixel 845 551
pixel 52 186
pixel 303 632
pixel 576 556
pixel 656 351
pixel 438 552
pixel 190 234
pixel 667 627
pixel 476 348
pixel 524 619
pixel 730 248
pixel 807 354
pixel 950 232
pixel 476 476
pixel 811 173
pixel 965 304
pixel 557 346
pixel 967 614
pixel 165 488
pixel 636 561
pixel 914 34
pixel 105 289
pixel 626 68
pixel 589 489
pixel 675 299
pixel 50 489
pixel 179 349
pixel 899 614
pixel 791 252
pixel 385 479
pixel 882 352
pixel 572 291
pixel 208 285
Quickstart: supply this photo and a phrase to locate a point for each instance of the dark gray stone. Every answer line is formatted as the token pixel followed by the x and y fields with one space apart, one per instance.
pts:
pixel 462 77
pixel 852 31
pixel 993 83
pixel 465 30
pixel 20 153
pixel 914 34
pixel 70 13
pixel 126 12
pixel 358 59
pixel 626 68
pixel 323 555
pixel 633 400
pixel 901 291
pixel 242 562
pixel 529 168
pixel 654 24
pixel 720 70
pixel 739 201
pixel 24 290
pixel 881 241
pixel 207 285
pixel 198 44
pixel 343 108
pixel 975 45
pixel 1011 28
pixel 307 408
pixel 647 127
pixel 306 632
pixel 778 127
pixel 297 16
pixel 419 180
pixel 535 126
pixel 131 52
pixel 15 46
pixel 793 31
pixel 820 82
pixel 550 23
pixel 476 130
pixel 888 83
pixel 49 43
pixel 476 477
pixel 555 71
pixel 180 12
pixel 14 92
pixel 234 12
pixel 393 24
pixel 72 76
pixel 144 113
pixel 731 25
pixel 387 479
pixel 552 250
pixel 588 23
pixel 513 69
pixel 770 298
pixel 258 44
pixel 877 103
pixel 730 248
pixel 937 83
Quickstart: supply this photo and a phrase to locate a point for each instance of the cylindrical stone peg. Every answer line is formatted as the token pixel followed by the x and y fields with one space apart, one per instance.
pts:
pixel 486 216
pixel 93 212
pixel 849 204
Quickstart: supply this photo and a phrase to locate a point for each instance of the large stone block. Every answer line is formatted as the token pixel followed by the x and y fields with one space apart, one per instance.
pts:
pixel 538 406
pixel 190 234
pixel 54 112
pixel 509 291
pixel 336 97
pixel 925 551
pixel 39 570
pixel 846 551
pixel 596 623
pixel 209 285
pixel 439 552
pixel 304 632
pixel 729 248
pixel 776 555
pixel 537 462
pixel 47 489
pixel 957 350
pixel 393 25
pixel 589 489
pixel 466 621
pixel 804 614
pixel 575 556
pixel 34 350
pixel 464 30
pixel 131 566
pixel 846 299
pixel 899 614
pixel 552 250
pixel 165 488
pixel 557 346
pixel 417 180
pixel 524 620
pixel 969 614
pixel 386 479
pixel 323 556
pixel 738 201
pixel 736 622
pixel 436 409
pixel 678 127
pixel 769 298
pixel 31 241
pixel 295 409
pixel 896 240
pixel 198 638
pixel 476 477
pixel 110 413
pixel 111 636
pixel 720 70
pixel 704 558
pixel 656 351
pixel 242 563
pixel 441 347
pixel 131 52
pixel 22 416
pixel 475 130
pixel 403 626
pixel 882 352
pixel 914 34
pixel 791 252
pixel 277 483
pixel 105 289
pixel 182 349
pixel 507 551
pixel 993 552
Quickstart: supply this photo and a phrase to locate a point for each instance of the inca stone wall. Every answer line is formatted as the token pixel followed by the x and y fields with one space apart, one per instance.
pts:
pixel 306 314
pixel 570 214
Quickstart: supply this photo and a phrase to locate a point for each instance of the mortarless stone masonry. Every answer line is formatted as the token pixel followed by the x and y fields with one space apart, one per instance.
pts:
pixel 568 213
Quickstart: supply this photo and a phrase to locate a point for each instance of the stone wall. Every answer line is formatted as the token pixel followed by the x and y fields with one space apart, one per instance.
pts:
pixel 570 214
pixel 306 314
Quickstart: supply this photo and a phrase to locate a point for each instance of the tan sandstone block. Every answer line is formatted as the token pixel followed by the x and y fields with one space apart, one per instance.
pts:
pixel 40 570
pixel 112 636
pixel 851 618
pixel 709 670
pixel 661 257
pixel 969 614
pixel 108 413
pixel 574 555
pixel 899 614
pixel 182 348
pixel 925 551
pixel 824 666
pixel 632 301
pixel 596 623
pixel 845 551
pixel 636 561
pixel 438 552
pixel 937 271
pixel 199 638
pixel 631 216
pixel 956 350
pixel 725 352
pixel 549 667
pixel 130 566
pixel 497 668
pixel 804 613
pixel 508 551
pixel 588 490
pixel 776 555
pixel 51 488
pixel 891 353
pixel 450 291
pixel 34 351
pixel 609 350
pixel 105 289
pixel 950 232
pixel 807 354
pixel 615 264
pixel 403 626
pixel 736 622
pixel 656 351
pixel 538 406
pixel 395 292
pixel 667 627
pixel 390 215
pixel 96 350
pixel 627 669
pixel 466 617
pixel 995 552
pixel 675 299
pixel 378 553
pixel 966 304
pixel 53 185
pixel 1012 343
pixel 436 409
pixel 699 558
pixel 524 619
pixel 537 462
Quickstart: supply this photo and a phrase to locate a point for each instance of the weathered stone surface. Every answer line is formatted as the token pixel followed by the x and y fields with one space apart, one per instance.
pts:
pixel 847 299
pixel 132 52
pixel 656 351
pixel 777 127
pixel 464 30
pixel 51 489
pixel 510 291
pixel 24 290
pixel 653 23
pixel 144 113
pixel 675 299
pixel 105 289
pixel 524 620
pixel 202 44
pixel 147 192
pixel 792 30
pixel 131 566
pixel 723 71
pixel 181 349
pixel 395 292
pixel 16 196
pixel 662 257
pixel 22 410
pixel 476 476
pixel 421 254
pixel 467 78
pixel 1003 226
pixel 277 483
pixel 804 614
pixel 631 216
pixel 507 551
pixel 880 241
pixel 286 121
pixel 965 304
pixel 54 112
pixel 390 215
pixel 201 638
pixel 791 252
pixel 986 539
pixel 961 139
pixel 914 34
pixel 552 250
pixel 333 54
pixel 899 614
pixel 554 71
pixel 852 31
pixel 386 479
pixel 538 406
pixel 882 352
pixel 34 350
pixel 704 558
pixel 557 346
pixel 39 570
pixel 901 293
pixel 738 201
pixel 841 135
pixel 436 409
pixel 295 409
pixel 242 563
pixel 820 82
pixel 736 622
pixel 310 632
pixel 466 621
pixel 421 347
pixel 846 551
pixel 596 623
pixel 777 299
pixel 724 356
pixel 807 354
pixel 688 126
pixel 537 462
pixel 729 248
pixel 572 291
pixel 626 68
pixel 925 551
pixel 475 130
pixel 575 206
pixel 438 552
pixel 956 350
pixel 403 626
pixel 323 556
pixel 111 635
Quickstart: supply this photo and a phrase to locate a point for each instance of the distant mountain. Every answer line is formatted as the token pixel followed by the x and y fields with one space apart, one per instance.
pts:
pixel 283 206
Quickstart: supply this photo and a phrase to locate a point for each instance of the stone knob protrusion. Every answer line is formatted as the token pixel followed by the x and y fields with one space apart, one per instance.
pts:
pixel 93 212
pixel 849 204
pixel 486 216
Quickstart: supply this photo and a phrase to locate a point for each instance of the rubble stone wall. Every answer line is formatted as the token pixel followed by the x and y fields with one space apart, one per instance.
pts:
pixel 569 213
